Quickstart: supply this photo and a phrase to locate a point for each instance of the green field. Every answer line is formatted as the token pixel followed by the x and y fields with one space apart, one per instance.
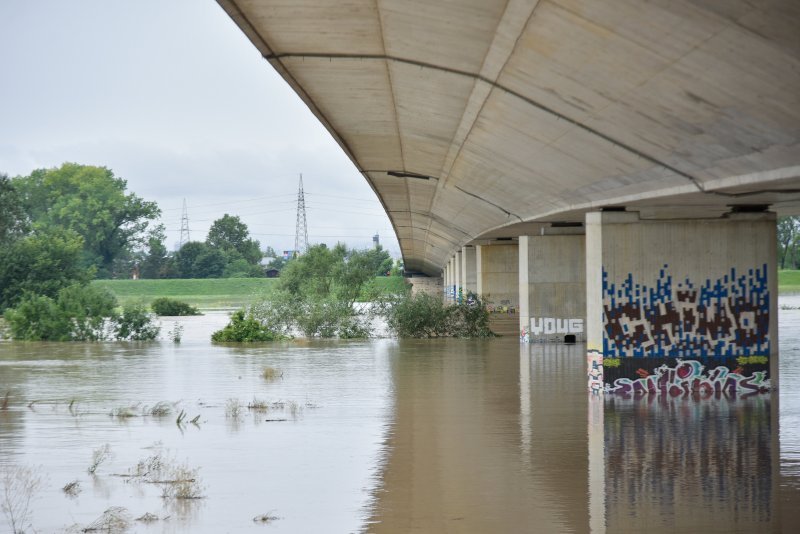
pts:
pixel 218 293
pixel 207 293
pixel 789 281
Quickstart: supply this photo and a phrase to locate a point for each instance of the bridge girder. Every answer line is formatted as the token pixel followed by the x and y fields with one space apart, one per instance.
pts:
pixel 475 118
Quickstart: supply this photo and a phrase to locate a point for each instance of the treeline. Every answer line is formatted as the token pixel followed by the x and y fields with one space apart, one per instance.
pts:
pixel 61 228
pixel 227 252
pixel 81 221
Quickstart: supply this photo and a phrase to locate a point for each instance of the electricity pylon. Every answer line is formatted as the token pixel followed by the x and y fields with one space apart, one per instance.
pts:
pixel 301 230
pixel 184 227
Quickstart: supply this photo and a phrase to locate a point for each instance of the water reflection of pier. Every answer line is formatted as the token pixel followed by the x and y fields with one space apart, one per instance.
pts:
pixel 484 442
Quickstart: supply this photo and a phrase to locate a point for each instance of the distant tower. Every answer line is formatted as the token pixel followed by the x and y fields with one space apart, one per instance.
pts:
pixel 376 240
pixel 301 230
pixel 184 227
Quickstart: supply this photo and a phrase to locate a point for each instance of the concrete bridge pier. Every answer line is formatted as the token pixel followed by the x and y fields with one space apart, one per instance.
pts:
pixel 469 270
pixel 552 285
pixel 497 281
pixel 459 277
pixel 681 305
pixel 447 275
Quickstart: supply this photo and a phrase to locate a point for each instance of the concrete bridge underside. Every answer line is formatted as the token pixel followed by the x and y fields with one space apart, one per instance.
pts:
pixel 480 118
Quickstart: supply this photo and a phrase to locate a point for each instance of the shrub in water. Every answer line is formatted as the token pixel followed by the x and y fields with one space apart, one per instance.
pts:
pixel 78 313
pixel 244 328
pixel 422 316
pixel 172 307
pixel 136 324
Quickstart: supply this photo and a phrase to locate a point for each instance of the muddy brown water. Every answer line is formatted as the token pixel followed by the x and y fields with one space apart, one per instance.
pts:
pixel 393 436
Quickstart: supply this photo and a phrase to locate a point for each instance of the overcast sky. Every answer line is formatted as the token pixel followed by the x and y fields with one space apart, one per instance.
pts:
pixel 172 97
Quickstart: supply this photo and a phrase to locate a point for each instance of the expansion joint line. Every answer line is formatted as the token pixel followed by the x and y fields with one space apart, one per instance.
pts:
pixel 494 84
pixel 501 208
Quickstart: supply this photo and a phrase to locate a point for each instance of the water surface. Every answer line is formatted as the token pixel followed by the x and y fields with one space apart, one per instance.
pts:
pixel 395 436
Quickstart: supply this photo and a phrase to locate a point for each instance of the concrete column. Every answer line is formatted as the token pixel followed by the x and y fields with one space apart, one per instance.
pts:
pixel 681 305
pixel 452 266
pixel 424 284
pixel 446 277
pixel 552 285
pixel 497 275
pixel 459 282
pixel 468 269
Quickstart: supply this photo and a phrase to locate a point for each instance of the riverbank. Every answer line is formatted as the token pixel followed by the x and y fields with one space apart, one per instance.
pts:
pixel 216 293
pixel 209 293
pixel 788 282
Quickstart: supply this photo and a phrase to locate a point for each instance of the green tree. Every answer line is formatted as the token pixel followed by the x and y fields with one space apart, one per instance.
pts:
pixel 232 236
pixel 154 262
pixel 241 268
pixel 210 263
pixel 12 216
pixel 41 263
pixel 196 259
pixel 92 202
pixel 313 273
pixel 186 257
pixel 379 260
pixel 788 238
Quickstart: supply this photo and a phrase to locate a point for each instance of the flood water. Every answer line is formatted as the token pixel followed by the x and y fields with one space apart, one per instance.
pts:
pixel 392 436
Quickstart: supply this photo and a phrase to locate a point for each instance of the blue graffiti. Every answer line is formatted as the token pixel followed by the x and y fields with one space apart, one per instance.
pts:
pixel 721 318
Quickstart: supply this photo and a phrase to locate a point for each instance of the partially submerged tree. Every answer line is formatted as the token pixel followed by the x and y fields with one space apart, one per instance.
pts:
pixel 79 313
pixel 423 315
pixel 316 295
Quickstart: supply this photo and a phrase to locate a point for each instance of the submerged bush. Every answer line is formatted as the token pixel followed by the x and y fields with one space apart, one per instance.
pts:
pixel 244 328
pixel 172 307
pixel 423 315
pixel 135 324
pixel 78 313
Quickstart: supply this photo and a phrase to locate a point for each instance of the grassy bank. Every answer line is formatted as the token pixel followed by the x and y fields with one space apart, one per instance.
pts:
pixel 232 292
pixel 789 281
pixel 209 293
pixel 204 293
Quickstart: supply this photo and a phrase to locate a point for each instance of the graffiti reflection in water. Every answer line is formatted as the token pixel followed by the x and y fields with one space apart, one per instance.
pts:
pixel 665 455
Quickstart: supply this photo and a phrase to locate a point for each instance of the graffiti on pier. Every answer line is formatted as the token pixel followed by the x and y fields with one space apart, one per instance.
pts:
pixel 727 317
pixel 689 377
pixel 551 329
pixel 595 367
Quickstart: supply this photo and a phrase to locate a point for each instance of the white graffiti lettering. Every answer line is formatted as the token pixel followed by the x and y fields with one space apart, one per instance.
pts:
pixel 551 325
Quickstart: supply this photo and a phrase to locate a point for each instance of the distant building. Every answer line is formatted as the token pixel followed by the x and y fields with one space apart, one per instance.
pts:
pixel 376 240
pixel 273 273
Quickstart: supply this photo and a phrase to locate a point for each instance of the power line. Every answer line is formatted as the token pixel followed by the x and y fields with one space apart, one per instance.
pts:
pixel 252 199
